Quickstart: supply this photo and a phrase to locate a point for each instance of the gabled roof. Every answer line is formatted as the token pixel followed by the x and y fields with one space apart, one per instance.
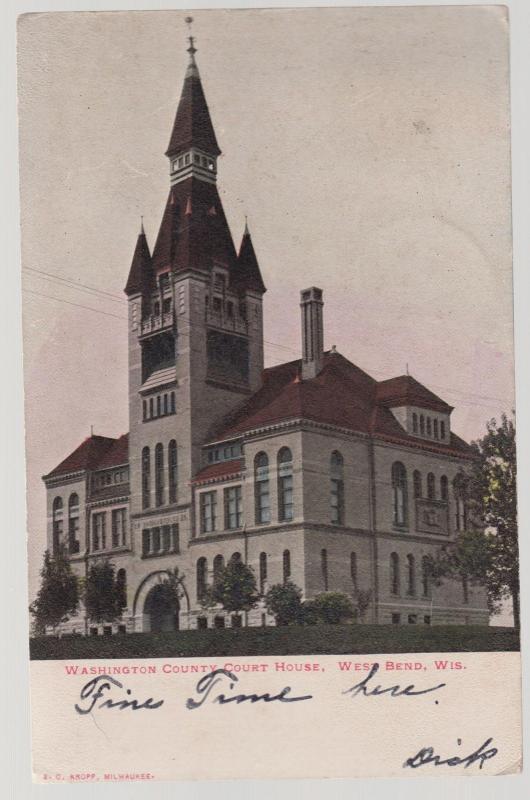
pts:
pixel 192 125
pixel 247 273
pixel 341 395
pixel 140 273
pixel 194 232
pixel 96 452
pixel 407 391
pixel 224 469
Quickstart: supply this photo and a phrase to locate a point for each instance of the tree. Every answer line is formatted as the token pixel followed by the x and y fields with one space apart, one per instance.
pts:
pixel 58 596
pixel 362 599
pixel 235 588
pixel 333 607
pixel 487 552
pixel 284 602
pixel 104 596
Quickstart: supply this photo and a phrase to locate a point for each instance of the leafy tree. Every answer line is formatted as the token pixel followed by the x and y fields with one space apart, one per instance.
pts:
pixel 284 602
pixel 58 596
pixel 309 614
pixel 333 607
pixel 104 596
pixel 235 588
pixel 362 599
pixel 487 552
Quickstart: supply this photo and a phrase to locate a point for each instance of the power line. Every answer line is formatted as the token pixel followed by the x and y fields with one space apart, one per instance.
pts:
pixel 75 284
pixel 77 305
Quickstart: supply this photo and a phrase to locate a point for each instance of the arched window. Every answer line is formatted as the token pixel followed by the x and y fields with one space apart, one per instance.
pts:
pixel 146 478
pixel 416 478
pixel 172 467
pixel 411 574
pixel 394 573
pixel 235 558
pixel 444 488
pixel 262 572
pixel 460 503
pixel 286 565
pixel 426 576
pixel 399 491
pixel 422 425
pixel 353 570
pixel 336 468
pixel 218 566
pixel 57 524
pixel 285 485
pixel 324 568
pixel 414 423
pixel 431 487
pixel 121 588
pixel 159 474
pixel 261 489
pixel 73 523
pixel 201 578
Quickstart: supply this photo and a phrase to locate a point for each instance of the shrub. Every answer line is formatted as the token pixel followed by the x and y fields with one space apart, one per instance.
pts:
pixel 284 602
pixel 333 607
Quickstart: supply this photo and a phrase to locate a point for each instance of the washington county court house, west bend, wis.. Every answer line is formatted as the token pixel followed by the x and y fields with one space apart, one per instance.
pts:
pixel 309 471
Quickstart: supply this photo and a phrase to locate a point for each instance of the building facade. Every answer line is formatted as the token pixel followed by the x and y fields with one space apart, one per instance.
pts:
pixel 309 471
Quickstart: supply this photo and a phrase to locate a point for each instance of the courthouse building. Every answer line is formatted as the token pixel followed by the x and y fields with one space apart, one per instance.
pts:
pixel 310 471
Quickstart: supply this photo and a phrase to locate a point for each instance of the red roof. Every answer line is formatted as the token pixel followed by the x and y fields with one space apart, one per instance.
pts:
pixel 247 273
pixel 406 391
pixel 224 469
pixel 140 273
pixel 341 395
pixel 192 125
pixel 94 453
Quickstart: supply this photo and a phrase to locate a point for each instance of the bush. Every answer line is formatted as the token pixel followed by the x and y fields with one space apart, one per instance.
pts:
pixel 333 608
pixel 284 602
pixel 309 613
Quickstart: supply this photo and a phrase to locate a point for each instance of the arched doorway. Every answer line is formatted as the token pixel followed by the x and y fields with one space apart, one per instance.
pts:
pixel 161 612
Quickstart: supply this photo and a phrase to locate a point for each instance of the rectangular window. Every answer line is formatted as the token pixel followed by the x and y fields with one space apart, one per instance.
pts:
pixel 146 542
pixel 175 543
pixel 396 619
pixel 412 619
pixel 119 526
pixel 208 501
pixel 263 502
pixel 99 531
pixel 285 497
pixel 166 538
pixel 435 424
pixel 233 507
pixel 337 501
pixel 73 535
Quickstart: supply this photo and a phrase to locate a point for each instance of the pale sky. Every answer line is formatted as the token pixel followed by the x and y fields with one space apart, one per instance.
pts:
pixel 369 148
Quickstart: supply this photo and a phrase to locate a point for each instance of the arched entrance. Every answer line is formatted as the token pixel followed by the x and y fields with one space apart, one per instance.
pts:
pixel 161 612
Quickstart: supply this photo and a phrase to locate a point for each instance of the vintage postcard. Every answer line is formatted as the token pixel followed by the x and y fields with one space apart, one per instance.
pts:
pixel 267 298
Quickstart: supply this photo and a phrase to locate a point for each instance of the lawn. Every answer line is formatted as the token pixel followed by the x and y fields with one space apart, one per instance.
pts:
pixel 293 640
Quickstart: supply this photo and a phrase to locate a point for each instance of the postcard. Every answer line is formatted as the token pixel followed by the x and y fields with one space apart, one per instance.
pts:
pixel 269 377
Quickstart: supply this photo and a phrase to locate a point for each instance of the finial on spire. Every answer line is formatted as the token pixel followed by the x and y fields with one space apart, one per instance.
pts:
pixel 142 224
pixel 191 49
pixel 246 233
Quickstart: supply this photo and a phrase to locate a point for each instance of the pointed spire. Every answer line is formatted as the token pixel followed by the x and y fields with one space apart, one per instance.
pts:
pixel 140 273
pixel 248 275
pixel 192 125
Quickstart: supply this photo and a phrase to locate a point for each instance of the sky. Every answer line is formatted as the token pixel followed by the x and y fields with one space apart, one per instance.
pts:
pixel 368 147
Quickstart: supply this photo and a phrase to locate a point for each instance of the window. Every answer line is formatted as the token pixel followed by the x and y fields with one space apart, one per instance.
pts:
pixel 465 589
pixel 165 539
pixel 286 565
pixel 442 430
pixel 151 408
pixel 175 537
pixel 426 576
pixel 262 572
pixel 422 425
pixel 172 466
pixel 427 619
pixel 119 526
pixel 73 523
pixel 218 567
pixel 411 575
pixel 156 309
pixel 146 478
pixel 121 588
pixel 156 541
pixel 144 409
pixel 208 503
pixel 202 623
pixel 262 492
pixel 399 489
pixel 394 573
pixel 324 568
pixel 146 542
pixel 353 570
pixel 233 507
pixel 413 619
pixel 414 423
pixel 99 533
pixel 337 488
pixel 166 305
pixel 166 406
pixel 460 503
pixel 435 425
pixel 172 402
pixel 444 488
pixel 285 485
pixel 218 622
pixel 429 426
pixel 431 487
pixel 57 522
pixel 396 619
pixel 201 578
pixel 235 558
pixel 159 474
pixel 158 406
pixel 416 478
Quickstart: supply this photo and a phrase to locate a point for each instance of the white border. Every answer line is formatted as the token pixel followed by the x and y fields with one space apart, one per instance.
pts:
pixel 16 773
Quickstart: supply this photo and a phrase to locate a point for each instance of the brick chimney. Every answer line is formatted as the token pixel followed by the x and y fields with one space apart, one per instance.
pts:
pixel 311 304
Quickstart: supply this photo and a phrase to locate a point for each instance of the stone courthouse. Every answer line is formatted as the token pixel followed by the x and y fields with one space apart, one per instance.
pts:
pixel 310 471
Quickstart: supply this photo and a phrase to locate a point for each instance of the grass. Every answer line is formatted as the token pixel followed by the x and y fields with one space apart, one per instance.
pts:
pixel 295 640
